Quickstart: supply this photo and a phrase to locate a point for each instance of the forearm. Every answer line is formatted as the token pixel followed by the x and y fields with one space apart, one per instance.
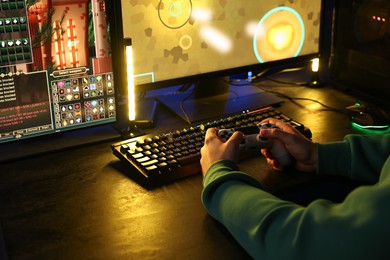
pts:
pixel 268 227
pixel 357 157
pixel 236 205
pixel 259 221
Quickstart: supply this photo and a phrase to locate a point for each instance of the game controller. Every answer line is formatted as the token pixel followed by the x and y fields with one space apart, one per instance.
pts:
pixel 253 140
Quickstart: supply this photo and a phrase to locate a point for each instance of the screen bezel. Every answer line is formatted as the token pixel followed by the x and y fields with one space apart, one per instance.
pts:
pixel 115 11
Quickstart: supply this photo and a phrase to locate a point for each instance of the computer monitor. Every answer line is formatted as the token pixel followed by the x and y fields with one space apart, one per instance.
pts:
pixel 56 69
pixel 192 41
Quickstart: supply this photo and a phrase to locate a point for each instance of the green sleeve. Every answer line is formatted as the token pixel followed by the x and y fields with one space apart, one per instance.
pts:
pixel 358 157
pixel 270 228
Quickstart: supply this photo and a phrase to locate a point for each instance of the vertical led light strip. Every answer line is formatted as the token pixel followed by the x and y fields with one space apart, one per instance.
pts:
pixel 130 78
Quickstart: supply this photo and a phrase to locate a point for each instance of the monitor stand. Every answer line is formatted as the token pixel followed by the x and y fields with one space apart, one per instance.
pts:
pixel 216 98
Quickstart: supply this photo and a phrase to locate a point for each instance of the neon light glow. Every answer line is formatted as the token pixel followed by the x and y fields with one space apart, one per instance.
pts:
pixel 175 9
pixel 130 82
pixel 372 129
pixel 315 65
pixel 151 74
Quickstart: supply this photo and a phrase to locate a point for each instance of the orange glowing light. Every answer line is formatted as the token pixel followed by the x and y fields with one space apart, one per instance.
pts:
pixel 280 36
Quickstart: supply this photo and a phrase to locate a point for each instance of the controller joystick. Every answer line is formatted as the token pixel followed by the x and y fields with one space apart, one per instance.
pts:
pixel 253 140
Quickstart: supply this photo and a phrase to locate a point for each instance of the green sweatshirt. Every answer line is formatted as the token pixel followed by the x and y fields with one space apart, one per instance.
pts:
pixel 270 228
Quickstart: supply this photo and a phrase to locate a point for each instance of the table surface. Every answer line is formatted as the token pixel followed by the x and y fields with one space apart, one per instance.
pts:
pixel 80 203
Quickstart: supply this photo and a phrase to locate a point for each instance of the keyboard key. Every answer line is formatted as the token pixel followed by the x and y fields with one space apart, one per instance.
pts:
pixel 149 162
pixel 124 148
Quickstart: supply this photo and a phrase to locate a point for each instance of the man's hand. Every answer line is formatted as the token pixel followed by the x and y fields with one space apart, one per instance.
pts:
pixel 303 150
pixel 214 149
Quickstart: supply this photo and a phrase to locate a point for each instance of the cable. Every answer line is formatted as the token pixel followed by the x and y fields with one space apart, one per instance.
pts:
pixel 283 82
pixel 141 96
pixel 260 77
pixel 292 99
pixel 268 78
pixel 182 106
pixel 185 87
pixel 192 92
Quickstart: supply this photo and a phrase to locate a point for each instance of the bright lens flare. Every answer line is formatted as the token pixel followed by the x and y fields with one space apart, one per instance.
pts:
pixel 203 15
pixel 216 39
pixel 280 36
pixel 251 28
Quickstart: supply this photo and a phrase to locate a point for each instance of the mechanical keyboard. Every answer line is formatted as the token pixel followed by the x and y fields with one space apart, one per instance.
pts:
pixel 154 160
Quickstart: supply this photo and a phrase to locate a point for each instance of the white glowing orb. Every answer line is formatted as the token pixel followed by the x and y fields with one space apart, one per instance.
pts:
pixel 251 29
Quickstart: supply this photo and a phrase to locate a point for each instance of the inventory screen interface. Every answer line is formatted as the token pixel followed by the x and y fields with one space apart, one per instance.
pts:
pixel 55 67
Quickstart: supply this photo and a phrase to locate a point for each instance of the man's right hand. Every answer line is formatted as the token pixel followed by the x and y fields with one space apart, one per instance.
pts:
pixel 303 150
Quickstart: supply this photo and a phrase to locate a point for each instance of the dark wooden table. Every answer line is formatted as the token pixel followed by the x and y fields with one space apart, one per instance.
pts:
pixel 80 203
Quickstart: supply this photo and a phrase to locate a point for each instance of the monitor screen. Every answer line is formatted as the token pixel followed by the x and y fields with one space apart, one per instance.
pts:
pixel 175 39
pixel 183 41
pixel 55 67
